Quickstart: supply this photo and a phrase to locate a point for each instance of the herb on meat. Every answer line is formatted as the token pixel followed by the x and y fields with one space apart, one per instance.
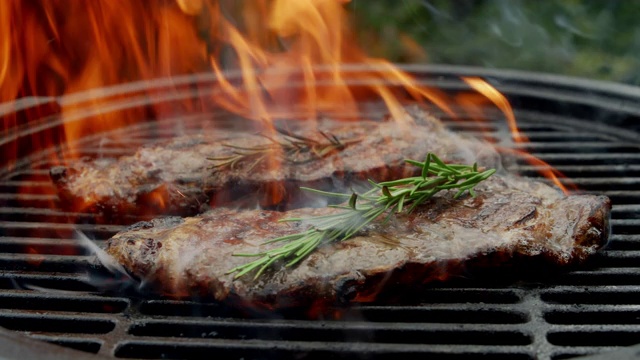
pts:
pixel 384 198
pixel 291 146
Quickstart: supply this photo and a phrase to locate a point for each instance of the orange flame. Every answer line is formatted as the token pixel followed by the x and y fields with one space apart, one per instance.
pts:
pixel 304 36
pixel 272 58
pixel 546 170
pixel 56 47
pixel 502 103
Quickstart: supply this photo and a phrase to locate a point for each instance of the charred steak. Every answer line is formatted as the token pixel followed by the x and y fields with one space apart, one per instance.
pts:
pixel 511 218
pixel 176 178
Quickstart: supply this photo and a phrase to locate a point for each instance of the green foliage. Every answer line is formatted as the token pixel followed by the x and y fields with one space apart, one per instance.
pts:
pixel 596 39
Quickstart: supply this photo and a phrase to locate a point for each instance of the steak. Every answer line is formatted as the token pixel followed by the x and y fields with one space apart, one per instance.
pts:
pixel 511 219
pixel 176 177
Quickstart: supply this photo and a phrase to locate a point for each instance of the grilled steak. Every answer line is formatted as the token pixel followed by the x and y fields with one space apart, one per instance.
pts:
pixel 511 218
pixel 176 178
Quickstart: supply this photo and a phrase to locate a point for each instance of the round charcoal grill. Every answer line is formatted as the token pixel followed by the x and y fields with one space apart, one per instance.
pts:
pixel 587 130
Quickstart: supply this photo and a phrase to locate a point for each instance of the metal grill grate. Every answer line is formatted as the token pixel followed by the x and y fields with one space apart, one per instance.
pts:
pixel 45 290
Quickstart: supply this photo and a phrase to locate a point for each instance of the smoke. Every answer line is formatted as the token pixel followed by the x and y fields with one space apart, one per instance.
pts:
pixel 117 278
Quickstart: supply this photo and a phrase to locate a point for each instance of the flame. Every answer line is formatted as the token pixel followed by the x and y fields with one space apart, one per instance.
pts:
pixel 501 102
pixel 308 42
pixel 295 59
pixel 157 199
pixel 543 168
pixel 55 47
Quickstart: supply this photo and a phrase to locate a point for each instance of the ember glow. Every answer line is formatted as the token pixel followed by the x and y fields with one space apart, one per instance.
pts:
pixel 273 59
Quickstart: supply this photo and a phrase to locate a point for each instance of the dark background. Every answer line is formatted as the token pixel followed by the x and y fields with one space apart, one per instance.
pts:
pixel 596 39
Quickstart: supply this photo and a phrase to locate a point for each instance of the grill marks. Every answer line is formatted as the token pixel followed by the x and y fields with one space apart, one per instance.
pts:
pixel 554 321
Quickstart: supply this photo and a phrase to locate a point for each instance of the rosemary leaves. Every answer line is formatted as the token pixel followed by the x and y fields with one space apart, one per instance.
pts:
pixel 384 198
pixel 289 146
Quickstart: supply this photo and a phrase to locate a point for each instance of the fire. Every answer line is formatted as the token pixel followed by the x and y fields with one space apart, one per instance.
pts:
pixel 52 48
pixel 294 59
pixel 267 55
pixel 307 42
pixel 501 102
pixel 545 170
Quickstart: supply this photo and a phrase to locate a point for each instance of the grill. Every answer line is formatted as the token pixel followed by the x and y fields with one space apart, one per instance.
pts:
pixel 588 130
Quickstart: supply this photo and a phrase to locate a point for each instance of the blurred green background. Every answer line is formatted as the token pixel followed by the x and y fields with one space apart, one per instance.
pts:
pixel 596 39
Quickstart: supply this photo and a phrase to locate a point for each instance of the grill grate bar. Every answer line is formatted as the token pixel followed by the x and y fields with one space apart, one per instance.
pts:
pixel 27 276
pixel 624 237
pixel 605 271
pixel 8 297
pixel 590 308
pixel 625 207
pixel 481 307
pixel 323 325
pixel 460 125
pixel 65 337
pixel 555 136
pixel 46 263
pixel 578 146
pixel 626 223
pixel 54 282
pixel 57 315
pixel 28 197
pixel 581 168
pixel 31 174
pixel 56 226
pixel 8 240
pixel 26 183
pixel 592 158
pixel 41 211
pixel 622 197
pixel 355 348
pixel 44 248
pixel 470 314
pixel 612 181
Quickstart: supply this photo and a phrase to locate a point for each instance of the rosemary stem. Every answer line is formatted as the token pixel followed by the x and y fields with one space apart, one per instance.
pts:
pixel 390 197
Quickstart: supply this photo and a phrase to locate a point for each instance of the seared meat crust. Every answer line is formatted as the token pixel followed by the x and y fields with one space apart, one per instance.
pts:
pixel 176 178
pixel 510 218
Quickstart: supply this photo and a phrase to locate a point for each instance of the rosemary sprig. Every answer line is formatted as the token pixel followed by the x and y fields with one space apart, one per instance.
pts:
pixel 384 198
pixel 290 147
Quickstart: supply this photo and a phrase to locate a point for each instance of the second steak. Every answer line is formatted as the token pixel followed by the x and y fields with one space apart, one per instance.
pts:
pixel 177 178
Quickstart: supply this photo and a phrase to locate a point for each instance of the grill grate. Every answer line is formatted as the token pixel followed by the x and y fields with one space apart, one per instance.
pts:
pixel 47 279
